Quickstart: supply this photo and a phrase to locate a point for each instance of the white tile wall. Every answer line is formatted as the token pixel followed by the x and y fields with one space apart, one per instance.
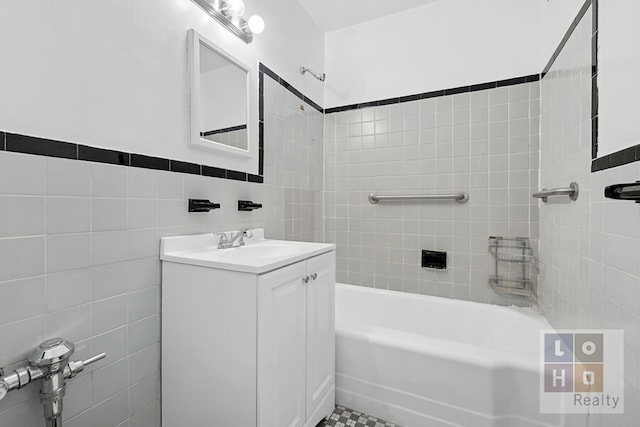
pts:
pixel 294 160
pixel 484 143
pixel 565 157
pixel 589 249
pixel 79 247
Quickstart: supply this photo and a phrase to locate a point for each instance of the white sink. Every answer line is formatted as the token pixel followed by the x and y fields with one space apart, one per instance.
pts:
pixel 260 251
pixel 258 255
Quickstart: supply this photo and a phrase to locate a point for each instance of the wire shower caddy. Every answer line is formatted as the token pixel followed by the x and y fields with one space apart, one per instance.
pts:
pixel 514 265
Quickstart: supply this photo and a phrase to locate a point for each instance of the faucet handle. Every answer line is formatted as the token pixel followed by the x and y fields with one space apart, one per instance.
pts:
pixel 4 389
pixel 75 367
pixel 224 240
pixel 244 233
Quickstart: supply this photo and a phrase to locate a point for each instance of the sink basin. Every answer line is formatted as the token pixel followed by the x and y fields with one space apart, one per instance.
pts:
pixel 260 251
pixel 259 255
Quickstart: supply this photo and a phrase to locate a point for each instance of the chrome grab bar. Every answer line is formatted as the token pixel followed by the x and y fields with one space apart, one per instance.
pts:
pixel 571 191
pixel 459 197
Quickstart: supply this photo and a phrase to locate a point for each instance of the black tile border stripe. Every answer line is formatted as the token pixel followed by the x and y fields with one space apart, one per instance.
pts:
pixel 619 158
pixel 150 162
pixel 622 157
pixel 32 145
pixel 236 175
pixel 260 96
pixel 185 167
pixel 102 155
pixel 263 69
pixel 594 81
pixel 25 144
pixel 214 172
pixel 437 93
pixel 258 179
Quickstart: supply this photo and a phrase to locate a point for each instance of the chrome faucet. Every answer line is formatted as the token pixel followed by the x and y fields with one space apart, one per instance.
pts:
pixel 228 242
pixel 50 363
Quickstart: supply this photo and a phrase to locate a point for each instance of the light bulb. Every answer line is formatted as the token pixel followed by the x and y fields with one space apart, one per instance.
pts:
pixel 256 24
pixel 235 7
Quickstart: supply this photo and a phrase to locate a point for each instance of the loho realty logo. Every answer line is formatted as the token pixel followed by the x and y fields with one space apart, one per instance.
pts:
pixel 582 372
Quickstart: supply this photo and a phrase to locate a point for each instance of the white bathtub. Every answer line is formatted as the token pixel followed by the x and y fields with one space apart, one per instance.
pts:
pixel 423 361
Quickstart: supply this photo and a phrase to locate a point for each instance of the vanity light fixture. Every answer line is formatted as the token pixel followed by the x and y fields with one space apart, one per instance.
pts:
pixel 229 13
pixel 233 7
pixel 256 24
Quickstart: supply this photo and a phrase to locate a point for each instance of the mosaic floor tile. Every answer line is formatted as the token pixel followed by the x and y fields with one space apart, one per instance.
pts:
pixel 345 417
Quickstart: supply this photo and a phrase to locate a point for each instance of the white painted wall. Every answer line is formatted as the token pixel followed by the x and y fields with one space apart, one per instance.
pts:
pixel 440 45
pixel 557 16
pixel 114 74
pixel 618 68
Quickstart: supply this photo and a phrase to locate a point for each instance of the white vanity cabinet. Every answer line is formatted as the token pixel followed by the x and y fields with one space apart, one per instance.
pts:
pixel 247 348
pixel 321 344
pixel 296 346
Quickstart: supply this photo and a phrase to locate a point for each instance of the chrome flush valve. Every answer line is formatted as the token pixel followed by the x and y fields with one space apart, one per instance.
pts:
pixel 52 357
pixel 50 363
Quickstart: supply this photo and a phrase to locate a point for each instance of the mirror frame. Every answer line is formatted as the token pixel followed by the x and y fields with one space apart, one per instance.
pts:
pixel 230 157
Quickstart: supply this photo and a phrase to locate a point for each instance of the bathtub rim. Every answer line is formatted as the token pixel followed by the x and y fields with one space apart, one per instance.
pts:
pixel 533 311
pixel 492 358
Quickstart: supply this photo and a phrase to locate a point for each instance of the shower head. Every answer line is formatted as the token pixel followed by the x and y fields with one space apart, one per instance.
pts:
pixel 318 76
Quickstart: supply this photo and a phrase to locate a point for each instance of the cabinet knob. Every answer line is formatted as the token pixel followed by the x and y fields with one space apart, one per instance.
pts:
pixel 305 280
pixel 314 276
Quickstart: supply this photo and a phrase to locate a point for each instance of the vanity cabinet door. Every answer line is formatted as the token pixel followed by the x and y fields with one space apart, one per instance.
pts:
pixel 282 347
pixel 320 329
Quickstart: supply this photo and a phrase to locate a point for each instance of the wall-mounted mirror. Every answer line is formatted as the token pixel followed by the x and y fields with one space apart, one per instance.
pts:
pixel 219 100
pixel 223 100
